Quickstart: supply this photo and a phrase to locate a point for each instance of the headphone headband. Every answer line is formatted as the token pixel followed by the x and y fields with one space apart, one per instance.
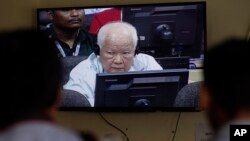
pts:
pixel 96 48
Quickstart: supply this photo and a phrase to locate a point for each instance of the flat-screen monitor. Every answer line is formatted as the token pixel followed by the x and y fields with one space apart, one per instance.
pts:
pixel 174 62
pixel 173 33
pixel 147 90
pixel 169 30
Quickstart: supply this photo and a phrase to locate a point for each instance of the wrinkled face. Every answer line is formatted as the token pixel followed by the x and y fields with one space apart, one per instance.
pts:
pixel 117 52
pixel 69 19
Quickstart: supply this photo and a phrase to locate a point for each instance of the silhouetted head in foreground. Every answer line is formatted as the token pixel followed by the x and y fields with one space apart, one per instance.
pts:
pixel 226 93
pixel 31 76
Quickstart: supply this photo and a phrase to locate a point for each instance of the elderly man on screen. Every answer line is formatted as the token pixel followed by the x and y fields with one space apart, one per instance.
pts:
pixel 117 43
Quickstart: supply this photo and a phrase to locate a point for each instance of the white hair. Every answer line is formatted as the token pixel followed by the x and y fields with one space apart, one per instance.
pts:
pixel 105 29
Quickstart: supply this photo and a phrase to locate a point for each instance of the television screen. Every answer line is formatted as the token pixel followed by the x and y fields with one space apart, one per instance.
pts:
pixel 173 33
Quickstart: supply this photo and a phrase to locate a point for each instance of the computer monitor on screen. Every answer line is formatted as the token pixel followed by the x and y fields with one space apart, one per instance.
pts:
pixel 136 90
pixel 174 62
pixel 169 30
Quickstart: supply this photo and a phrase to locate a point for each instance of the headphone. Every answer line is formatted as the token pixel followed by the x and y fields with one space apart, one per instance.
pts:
pixel 96 48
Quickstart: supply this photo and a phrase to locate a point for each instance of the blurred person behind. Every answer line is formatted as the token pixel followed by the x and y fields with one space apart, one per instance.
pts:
pixel 225 94
pixel 66 31
pixel 31 88
pixel 104 17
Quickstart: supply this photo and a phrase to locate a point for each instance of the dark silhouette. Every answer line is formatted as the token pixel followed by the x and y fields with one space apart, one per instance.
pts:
pixel 226 92
pixel 31 87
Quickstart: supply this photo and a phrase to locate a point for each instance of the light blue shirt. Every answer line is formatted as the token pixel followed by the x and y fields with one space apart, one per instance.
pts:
pixel 38 131
pixel 83 76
